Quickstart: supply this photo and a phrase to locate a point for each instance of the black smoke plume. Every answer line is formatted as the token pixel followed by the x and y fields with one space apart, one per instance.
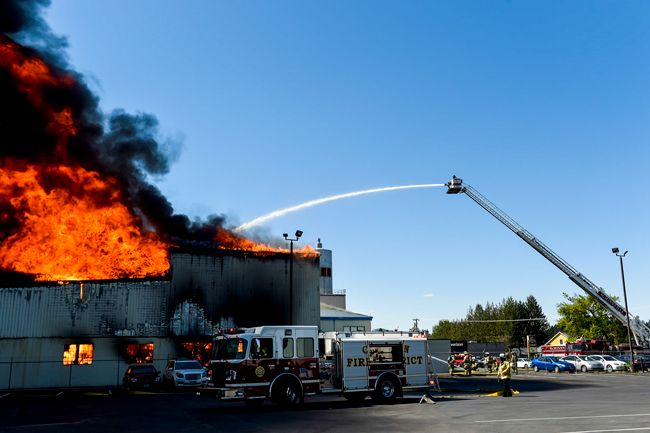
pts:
pixel 121 145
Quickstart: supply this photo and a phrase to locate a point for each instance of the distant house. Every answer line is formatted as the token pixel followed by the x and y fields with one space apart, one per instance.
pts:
pixel 559 339
pixel 556 345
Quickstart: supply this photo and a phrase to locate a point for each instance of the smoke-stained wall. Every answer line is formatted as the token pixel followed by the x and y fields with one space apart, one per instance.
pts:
pixel 90 309
pixel 206 290
pixel 246 289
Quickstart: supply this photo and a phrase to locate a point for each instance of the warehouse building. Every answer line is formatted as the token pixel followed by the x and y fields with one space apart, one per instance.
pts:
pixel 80 334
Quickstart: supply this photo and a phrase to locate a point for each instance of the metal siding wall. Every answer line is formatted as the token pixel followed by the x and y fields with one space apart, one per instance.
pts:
pixel 107 308
pixel 38 363
pixel 306 292
pixel 338 324
pixel 233 289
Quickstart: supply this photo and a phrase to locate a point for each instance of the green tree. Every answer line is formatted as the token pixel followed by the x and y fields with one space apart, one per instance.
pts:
pixel 505 322
pixel 584 316
pixel 539 329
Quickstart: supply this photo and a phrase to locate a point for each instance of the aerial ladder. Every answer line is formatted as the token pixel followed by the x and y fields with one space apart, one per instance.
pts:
pixel 640 331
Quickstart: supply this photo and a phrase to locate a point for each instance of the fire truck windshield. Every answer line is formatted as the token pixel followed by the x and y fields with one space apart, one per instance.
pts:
pixel 229 348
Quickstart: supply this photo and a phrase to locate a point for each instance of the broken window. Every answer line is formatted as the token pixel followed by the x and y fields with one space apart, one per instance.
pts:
pixel 139 353
pixel 78 354
pixel 199 350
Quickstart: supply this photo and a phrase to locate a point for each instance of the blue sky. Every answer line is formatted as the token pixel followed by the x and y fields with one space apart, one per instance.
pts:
pixel 543 107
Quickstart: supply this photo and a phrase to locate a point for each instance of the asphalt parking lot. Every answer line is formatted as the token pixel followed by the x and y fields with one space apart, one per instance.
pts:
pixel 547 402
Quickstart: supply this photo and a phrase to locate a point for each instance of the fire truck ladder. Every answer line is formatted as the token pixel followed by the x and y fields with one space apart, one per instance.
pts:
pixel 640 331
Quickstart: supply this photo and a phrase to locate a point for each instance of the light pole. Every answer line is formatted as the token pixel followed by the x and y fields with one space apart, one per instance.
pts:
pixel 627 311
pixel 291 240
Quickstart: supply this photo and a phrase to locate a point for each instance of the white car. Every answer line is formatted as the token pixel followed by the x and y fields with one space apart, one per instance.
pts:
pixel 610 363
pixel 583 364
pixel 184 373
pixel 523 363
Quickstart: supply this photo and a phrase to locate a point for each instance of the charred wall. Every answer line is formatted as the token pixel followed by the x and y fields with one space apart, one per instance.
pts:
pixel 245 289
pixel 206 290
pixel 89 309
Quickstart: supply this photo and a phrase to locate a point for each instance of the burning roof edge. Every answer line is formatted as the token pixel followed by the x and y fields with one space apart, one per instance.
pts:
pixel 14 280
pixel 260 254
pixel 11 279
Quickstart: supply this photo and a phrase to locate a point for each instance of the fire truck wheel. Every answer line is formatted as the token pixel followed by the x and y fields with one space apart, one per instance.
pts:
pixel 287 393
pixel 386 389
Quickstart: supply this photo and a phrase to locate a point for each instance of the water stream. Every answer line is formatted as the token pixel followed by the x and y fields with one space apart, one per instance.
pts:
pixel 281 212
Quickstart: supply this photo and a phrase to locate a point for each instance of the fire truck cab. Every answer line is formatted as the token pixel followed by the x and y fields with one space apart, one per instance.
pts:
pixel 287 363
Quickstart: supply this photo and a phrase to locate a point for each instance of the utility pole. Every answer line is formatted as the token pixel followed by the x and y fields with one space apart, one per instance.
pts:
pixel 627 312
pixel 291 241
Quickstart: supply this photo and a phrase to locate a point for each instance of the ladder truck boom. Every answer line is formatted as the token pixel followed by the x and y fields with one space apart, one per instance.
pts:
pixel 640 331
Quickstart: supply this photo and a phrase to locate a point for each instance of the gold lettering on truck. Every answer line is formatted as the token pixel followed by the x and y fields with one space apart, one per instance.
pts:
pixel 412 360
pixel 357 362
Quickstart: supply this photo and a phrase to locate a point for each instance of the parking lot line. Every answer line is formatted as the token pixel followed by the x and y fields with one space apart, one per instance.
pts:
pixel 566 417
pixel 616 429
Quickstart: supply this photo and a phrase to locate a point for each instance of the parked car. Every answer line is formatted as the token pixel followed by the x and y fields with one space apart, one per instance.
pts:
pixel 582 363
pixel 184 372
pixel 610 363
pixel 140 376
pixel 640 363
pixel 523 363
pixel 551 363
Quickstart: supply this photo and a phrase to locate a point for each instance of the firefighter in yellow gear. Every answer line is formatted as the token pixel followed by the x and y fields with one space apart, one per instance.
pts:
pixel 467 364
pixel 450 362
pixel 504 374
pixel 489 362
pixel 513 362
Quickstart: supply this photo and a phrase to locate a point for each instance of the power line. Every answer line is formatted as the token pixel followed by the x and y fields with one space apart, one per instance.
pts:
pixel 535 319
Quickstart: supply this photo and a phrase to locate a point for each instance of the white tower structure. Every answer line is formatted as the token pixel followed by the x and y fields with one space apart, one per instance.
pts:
pixel 325 285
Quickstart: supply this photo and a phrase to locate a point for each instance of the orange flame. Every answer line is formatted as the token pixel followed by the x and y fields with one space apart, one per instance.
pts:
pixel 229 240
pixel 70 235
pixel 71 223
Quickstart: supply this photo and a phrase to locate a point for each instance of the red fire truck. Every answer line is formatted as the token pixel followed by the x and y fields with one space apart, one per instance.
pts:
pixel 580 347
pixel 287 363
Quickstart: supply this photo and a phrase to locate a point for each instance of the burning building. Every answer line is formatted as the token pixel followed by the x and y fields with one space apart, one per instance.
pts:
pixel 74 334
pixel 96 268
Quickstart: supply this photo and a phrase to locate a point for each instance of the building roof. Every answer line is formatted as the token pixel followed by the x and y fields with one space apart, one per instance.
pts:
pixel 330 312
pixel 553 341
